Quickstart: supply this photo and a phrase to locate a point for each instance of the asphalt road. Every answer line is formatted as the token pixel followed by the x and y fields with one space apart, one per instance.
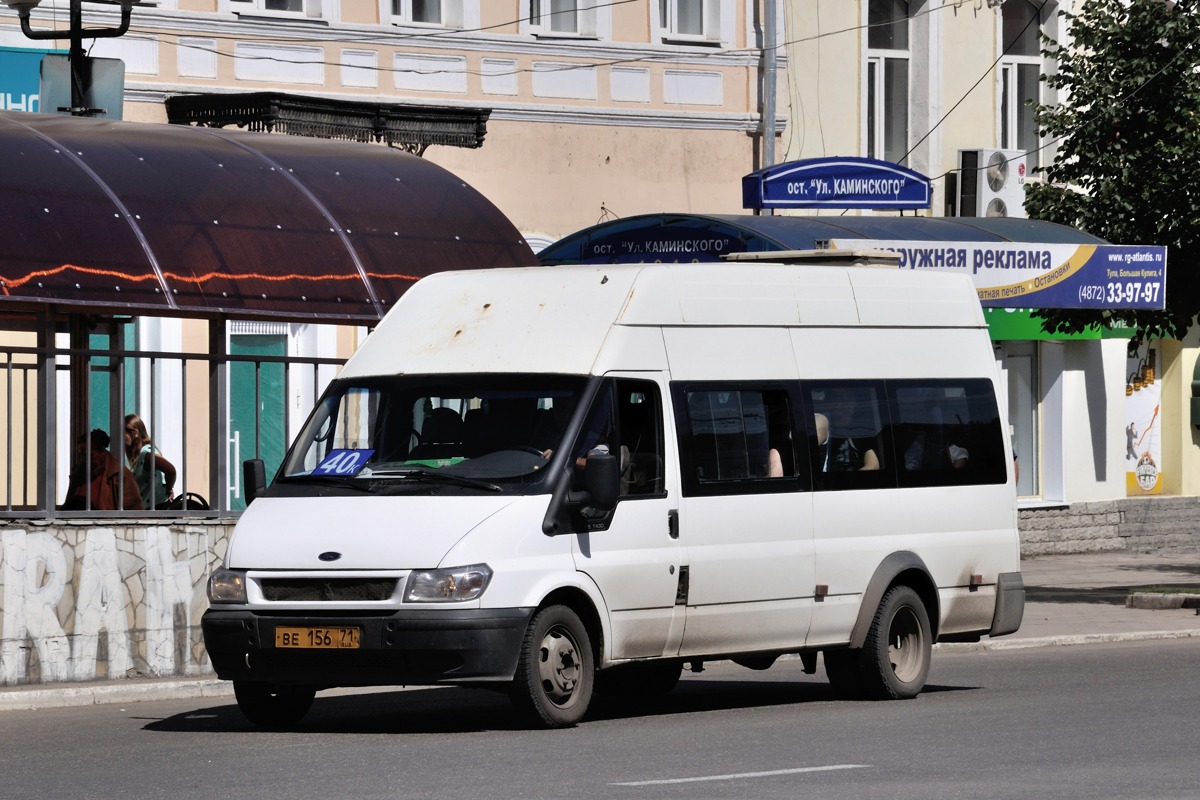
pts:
pixel 1094 721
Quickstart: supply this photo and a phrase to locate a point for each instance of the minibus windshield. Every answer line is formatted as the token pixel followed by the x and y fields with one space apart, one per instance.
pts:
pixel 466 430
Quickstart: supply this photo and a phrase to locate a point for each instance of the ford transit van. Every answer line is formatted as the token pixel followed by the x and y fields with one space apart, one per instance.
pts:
pixel 568 481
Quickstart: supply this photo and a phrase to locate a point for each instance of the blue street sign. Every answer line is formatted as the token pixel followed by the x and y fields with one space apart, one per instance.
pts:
pixel 842 182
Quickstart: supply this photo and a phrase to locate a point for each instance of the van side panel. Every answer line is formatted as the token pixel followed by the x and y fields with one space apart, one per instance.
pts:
pixel 957 531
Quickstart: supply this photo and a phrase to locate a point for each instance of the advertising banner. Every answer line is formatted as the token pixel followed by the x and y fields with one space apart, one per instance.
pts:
pixel 1143 427
pixel 19 78
pixel 1034 275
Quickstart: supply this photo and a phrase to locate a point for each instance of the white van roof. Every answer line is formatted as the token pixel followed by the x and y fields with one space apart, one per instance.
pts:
pixel 556 319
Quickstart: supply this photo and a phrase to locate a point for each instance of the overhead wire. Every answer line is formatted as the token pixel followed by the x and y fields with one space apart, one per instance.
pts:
pixel 699 53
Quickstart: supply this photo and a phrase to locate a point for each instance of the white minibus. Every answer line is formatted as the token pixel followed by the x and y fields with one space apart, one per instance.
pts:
pixel 573 481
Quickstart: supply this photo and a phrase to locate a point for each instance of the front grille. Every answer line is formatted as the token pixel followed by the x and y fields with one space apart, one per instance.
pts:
pixel 327 590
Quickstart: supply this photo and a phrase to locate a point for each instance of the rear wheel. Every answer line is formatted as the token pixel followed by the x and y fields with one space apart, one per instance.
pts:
pixel 896 654
pixel 270 706
pixel 555 672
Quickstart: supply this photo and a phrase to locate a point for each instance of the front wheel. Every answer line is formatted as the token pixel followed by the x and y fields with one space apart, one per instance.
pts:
pixel 896 654
pixel 556 671
pixel 270 706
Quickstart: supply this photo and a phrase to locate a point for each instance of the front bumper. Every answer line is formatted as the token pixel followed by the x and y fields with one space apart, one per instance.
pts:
pixel 407 647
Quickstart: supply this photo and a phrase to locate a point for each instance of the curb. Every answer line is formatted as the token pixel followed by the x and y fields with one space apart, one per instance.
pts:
pixel 1160 600
pixel 1064 641
pixel 78 695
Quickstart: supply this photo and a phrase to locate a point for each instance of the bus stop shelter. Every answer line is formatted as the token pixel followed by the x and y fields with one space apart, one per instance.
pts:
pixel 106 220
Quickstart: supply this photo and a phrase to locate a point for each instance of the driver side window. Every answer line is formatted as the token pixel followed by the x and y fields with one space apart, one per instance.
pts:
pixel 626 422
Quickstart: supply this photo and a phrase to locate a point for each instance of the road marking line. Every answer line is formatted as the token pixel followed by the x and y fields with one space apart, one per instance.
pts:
pixel 739 775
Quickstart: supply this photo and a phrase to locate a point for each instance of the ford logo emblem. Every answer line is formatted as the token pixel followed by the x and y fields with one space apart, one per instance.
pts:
pixel 330 556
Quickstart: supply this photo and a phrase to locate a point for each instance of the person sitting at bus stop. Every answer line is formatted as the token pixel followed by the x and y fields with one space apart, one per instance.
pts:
pixel 155 475
pixel 112 485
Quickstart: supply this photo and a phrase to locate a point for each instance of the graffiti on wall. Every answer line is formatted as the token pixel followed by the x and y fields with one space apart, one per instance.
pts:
pixel 103 602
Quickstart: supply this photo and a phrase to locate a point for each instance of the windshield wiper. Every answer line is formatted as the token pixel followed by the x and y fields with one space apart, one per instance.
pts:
pixel 424 474
pixel 332 480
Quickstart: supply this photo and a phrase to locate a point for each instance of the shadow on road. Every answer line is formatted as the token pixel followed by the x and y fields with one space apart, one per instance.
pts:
pixel 456 710
pixel 1111 595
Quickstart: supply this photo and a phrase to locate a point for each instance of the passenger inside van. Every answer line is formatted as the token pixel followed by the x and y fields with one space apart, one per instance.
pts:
pixel 843 453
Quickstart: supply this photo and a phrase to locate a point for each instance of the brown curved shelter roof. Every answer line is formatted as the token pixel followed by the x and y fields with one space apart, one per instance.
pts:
pixel 174 220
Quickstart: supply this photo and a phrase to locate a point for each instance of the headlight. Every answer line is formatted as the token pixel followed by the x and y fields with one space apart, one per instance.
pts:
pixel 453 585
pixel 227 586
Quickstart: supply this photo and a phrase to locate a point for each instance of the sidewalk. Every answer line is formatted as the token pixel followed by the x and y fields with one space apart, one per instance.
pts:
pixel 1080 598
pixel 1069 600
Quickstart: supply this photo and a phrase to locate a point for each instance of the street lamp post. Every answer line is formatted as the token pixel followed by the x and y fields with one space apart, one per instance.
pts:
pixel 81 77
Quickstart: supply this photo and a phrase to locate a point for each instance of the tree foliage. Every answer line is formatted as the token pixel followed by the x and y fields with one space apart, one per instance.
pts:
pixel 1128 133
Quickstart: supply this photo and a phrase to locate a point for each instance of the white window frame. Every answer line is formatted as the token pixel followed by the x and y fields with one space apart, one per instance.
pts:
pixel 717 22
pixel 1011 103
pixel 538 19
pixel 453 14
pixel 874 92
pixel 305 9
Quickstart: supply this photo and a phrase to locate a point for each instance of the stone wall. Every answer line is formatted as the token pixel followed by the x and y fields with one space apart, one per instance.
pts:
pixel 93 601
pixel 1140 525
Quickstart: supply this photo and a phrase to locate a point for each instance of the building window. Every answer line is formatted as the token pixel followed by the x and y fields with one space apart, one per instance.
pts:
pixel 887 79
pixel 588 18
pixel 1020 73
pixel 428 12
pixel 554 16
pixel 445 13
pixel 298 8
pixel 698 21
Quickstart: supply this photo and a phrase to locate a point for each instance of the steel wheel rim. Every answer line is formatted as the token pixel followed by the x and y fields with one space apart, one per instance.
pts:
pixel 559 665
pixel 904 645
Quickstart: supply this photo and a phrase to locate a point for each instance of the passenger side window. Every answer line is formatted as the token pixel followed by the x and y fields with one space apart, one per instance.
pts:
pixel 947 432
pixel 846 434
pixel 906 433
pixel 736 440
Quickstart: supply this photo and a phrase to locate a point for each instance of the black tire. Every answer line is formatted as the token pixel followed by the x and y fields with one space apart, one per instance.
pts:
pixel 270 706
pixel 556 670
pixel 896 654
pixel 643 681
pixel 844 672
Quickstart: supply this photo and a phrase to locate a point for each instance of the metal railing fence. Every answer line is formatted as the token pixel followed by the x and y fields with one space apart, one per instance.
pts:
pixel 53 397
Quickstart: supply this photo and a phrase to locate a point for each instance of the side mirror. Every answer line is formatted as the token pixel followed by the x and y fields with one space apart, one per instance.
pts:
pixel 254 478
pixel 576 512
pixel 602 477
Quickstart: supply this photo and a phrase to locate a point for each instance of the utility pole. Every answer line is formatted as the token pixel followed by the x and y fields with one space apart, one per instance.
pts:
pixel 769 43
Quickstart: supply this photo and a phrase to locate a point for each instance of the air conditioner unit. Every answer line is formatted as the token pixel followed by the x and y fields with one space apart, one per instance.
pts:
pixel 991 183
